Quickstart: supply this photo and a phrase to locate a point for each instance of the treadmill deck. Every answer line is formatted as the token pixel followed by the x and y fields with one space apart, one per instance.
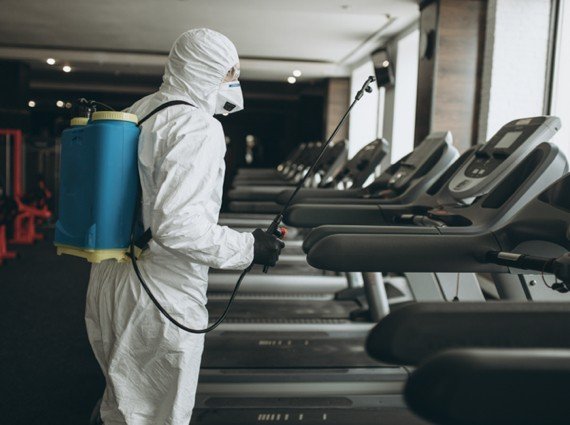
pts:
pixel 299 396
pixel 315 343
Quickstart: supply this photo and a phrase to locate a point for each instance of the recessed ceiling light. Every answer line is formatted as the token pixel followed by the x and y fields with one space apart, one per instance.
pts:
pixel 50 61
pixel 59 103
pixel 32 104
pixel 291 80
pixel 66 68
pixel 68 105
pixel 297 73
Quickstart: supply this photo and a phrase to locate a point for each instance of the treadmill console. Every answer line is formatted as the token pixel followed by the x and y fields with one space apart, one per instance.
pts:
pixel 499 155
pixel 424 161
pixel 411 166
pixel 363 164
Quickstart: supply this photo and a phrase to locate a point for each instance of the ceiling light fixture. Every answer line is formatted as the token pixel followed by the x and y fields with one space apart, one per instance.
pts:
pixel 66 68
pixel 291 80
pixel 59 103
pixel 385 64
pixel 32 104
pixel 297 73
pixel 50 61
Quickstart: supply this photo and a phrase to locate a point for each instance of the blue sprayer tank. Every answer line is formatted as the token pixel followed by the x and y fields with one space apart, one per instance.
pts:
pixel 99 183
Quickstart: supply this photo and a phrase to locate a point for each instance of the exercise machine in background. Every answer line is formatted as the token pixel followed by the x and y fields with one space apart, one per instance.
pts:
pixel 23 225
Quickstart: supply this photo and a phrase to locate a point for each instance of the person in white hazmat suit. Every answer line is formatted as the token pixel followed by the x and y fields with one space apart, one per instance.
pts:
pixel 150 365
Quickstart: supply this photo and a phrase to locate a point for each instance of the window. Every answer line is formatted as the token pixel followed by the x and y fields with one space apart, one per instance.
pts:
pixel 560 99
pixel 364 116
pixel 405 95
pixel 381 111
pixel 515 64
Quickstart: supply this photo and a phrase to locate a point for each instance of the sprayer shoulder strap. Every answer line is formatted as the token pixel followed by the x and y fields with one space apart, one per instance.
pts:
pixel 144 239
pixel 161 107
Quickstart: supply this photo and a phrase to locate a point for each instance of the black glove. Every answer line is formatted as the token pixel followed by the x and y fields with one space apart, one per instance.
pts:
pixel 266 249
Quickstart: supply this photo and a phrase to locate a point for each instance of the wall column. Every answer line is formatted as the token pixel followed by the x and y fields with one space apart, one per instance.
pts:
pixel 337 99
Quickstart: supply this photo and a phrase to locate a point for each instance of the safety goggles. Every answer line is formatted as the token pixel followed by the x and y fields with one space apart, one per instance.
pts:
pixel 233 73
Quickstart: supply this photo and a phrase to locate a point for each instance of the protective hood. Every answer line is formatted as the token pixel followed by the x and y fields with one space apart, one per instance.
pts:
pixel 197 65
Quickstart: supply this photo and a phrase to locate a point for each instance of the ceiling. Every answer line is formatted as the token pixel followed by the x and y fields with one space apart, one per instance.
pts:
pixel 319 37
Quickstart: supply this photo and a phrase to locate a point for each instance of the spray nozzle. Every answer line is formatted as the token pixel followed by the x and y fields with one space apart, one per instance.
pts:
pixel 365 88
pixel 87 107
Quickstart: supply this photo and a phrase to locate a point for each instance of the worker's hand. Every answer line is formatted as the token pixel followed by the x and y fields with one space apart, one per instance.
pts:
pixel 266 249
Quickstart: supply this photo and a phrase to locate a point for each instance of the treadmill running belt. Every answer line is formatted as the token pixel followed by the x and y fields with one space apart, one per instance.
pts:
pixel 284 349
pixel 288 269
pixel 333 416
pixel 295 308
pixel 283 309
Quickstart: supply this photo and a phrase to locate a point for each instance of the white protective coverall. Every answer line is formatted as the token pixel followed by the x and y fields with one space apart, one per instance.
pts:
pixel 151 367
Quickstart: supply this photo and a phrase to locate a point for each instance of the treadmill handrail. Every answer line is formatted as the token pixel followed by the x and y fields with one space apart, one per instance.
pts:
pixel 413 333
pixel 421 249
pixel 356 231
pixel 492 387
pixel 312 215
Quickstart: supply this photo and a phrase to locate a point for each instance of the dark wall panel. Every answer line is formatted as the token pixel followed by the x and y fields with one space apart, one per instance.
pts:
pixel 14 94
pixel 426 70
pixel 451 55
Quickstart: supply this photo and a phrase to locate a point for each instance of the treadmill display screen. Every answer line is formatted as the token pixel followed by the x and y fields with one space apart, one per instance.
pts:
pixel 508 139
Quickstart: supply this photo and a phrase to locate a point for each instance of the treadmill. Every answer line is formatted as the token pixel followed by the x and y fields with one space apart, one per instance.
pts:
pixel 251 371
pixel 359 169
pixel 508 249
pixel 403 181
pixel 507 185
pixel 355 173
pixel 400 183
pixel 493 346
pixel 288 172
pixel 291 172
pixel 478 171
pixel 331 163
pixel 333 160
pixel 397 184
pixel 455 226
pixel 271 173
pixel 285 174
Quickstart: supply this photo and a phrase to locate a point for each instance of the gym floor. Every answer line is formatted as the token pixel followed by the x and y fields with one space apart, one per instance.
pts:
pixel 48 372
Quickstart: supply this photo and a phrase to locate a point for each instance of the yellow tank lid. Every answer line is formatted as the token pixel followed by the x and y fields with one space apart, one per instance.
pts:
pixel 113 115
pixel 79 121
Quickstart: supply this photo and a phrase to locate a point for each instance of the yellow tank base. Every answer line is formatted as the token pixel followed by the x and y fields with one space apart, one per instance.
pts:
pixel 95 255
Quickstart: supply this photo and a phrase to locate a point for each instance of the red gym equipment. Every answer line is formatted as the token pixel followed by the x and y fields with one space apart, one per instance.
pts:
pixel 25 222
pixel 5 254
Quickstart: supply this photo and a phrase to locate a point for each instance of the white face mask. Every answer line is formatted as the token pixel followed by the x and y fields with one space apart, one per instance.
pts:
pixel 230 98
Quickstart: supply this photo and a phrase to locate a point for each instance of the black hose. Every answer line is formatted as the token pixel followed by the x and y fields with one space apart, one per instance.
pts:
pixel 172 319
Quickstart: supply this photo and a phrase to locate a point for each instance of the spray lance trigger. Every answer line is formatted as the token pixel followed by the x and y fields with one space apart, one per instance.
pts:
pixel 281 232
pixel 276 231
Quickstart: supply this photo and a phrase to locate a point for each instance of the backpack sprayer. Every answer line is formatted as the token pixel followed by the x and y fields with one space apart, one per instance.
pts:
pixel 100 191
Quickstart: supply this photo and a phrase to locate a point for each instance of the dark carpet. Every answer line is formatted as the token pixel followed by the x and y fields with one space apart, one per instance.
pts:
pixel 48 374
